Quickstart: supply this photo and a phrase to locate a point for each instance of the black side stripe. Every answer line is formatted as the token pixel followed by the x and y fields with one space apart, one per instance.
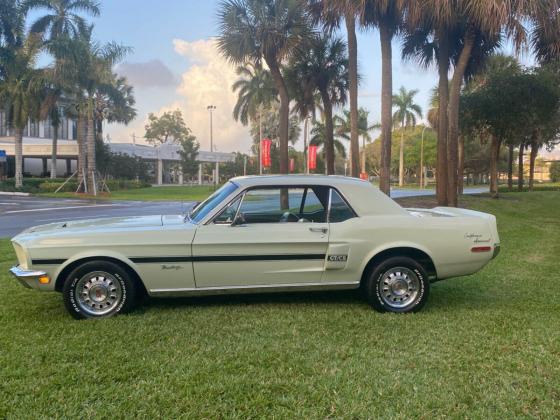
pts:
pixel 47 262
pixel 229 258
pixel 205 258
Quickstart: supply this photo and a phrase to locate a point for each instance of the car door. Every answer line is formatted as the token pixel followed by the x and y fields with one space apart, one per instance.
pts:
pixel 267 236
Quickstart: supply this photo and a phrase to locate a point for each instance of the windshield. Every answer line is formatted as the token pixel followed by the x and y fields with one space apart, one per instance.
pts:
pixel 212 202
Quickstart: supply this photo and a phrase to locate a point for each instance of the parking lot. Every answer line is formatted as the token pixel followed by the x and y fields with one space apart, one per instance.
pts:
pixel 19 212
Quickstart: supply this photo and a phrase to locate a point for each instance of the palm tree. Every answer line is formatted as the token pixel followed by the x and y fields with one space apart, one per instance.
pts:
pixel 406 114
pixel 88 65
pixel 319 137
pixel 20 89
pixel 386 15
pixel 329 13
pixel 344 127
pixel 255 91
pixel 325 68
pixel 62 20
pixel 114 103
pixel 253 30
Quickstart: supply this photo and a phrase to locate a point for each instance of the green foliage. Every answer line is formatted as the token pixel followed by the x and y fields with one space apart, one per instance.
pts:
pixel 189 153
pixel 406 109
pixel 555 171
pixel 170 126
pixel 255 91
pixel 271 127
pixel 120 166
pixel 412 146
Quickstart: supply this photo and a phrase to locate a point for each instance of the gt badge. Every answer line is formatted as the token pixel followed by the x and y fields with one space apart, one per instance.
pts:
pixel 337 258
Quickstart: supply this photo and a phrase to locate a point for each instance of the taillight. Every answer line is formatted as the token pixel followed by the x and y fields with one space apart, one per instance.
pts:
pixel 481 249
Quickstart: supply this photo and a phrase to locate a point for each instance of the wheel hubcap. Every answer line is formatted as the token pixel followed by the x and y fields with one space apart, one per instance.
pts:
pixel 98 293
pixel 399 287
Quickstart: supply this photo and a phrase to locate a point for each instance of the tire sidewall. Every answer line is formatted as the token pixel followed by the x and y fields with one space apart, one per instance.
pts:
pixel 376 275
pixel 125 282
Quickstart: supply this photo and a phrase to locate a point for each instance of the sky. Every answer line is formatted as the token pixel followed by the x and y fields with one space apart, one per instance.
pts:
pixel 175 65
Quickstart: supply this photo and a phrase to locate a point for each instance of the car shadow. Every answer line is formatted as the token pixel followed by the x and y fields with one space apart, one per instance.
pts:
pixel 315 297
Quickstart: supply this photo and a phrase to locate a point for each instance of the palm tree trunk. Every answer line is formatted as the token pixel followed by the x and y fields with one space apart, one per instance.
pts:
pixel 54 151
pixel 510 167
pixel 305 130
pixel 363 154
pixel 520 169
pixel 386 37
pixel 329 134
pixel 401 158
pixel 284 112
pixel 533 158
pixel 453 114
pixel 494 155
pixel 18 137
pixel 82 131
pixel 91 164
pixel 443 94
pixel 461 169
pixel 350 20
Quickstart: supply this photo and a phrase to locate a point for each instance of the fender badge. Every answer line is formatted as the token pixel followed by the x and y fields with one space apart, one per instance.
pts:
pixel 337 258
pixel 171 267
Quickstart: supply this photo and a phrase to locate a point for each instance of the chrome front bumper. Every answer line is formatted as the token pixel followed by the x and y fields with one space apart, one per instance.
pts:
pixel 28 278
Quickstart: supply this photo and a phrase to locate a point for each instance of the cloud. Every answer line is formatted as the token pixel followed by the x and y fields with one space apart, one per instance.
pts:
pixel 208 81
pixel 152 73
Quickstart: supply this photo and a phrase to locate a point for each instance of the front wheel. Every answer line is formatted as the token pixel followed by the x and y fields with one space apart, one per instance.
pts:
pixel 98 289
pixel 398 284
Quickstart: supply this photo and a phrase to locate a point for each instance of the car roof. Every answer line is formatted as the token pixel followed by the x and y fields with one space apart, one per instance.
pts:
pixel 362 196
pixel 329 180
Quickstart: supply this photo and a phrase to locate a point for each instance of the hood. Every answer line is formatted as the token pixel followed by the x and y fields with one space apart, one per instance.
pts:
pixel 107 223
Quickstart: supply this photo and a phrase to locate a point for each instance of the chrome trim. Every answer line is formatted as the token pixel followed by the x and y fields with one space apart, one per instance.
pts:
pixel 20 273
pixel 27 278
pixel 272 288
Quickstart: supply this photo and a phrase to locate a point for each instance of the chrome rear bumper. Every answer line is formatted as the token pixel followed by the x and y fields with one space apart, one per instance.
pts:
pixel 496 250
pixel 28 278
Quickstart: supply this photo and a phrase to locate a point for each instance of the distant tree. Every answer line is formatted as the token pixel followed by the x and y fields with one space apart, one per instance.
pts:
pixel 168 127
pixel 189 155
pixel 555 171
pixel 255 91
pixel 406 112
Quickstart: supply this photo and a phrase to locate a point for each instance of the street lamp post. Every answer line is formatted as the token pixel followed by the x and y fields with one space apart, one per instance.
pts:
pixel 422 159
pixel 211 109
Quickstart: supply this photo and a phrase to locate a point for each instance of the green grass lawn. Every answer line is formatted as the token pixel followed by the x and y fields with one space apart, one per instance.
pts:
pixel 171 193
pixel 487 345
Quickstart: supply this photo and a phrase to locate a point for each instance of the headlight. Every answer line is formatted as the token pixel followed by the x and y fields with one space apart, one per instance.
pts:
pixel 21 255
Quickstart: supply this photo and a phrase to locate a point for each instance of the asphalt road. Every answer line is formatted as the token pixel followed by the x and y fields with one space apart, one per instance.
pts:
pixel 18 213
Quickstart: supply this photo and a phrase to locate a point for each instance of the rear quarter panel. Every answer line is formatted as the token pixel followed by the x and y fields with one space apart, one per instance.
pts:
pixel 447 240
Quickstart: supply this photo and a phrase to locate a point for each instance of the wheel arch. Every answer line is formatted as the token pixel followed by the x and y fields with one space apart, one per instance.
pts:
pixel 422 257
pixel 66 270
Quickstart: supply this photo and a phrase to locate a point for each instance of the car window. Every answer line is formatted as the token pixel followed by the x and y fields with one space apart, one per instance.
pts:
pixel 227 216
pixel 312 209
pixel 339 211
pixel 280 205
pixel 204 208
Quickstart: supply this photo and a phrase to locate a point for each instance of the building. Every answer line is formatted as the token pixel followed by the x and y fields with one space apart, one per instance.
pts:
pixel 37 151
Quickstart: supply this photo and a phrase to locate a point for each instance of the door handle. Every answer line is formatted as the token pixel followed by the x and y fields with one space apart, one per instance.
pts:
pixel 319 229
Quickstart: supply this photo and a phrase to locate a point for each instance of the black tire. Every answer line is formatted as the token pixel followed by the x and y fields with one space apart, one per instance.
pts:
pixel 107 280
pixel 407 276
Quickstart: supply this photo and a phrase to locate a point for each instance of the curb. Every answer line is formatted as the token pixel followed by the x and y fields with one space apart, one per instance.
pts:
pixel 19 194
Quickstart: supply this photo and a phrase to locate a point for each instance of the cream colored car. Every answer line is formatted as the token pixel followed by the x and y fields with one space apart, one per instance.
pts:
pixel 260 234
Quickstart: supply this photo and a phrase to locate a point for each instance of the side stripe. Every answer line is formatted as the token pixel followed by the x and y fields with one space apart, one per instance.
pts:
pixel 205 258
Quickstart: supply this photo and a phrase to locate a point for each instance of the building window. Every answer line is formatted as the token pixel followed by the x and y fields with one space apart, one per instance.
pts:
pixel 47 129
pixel 63 129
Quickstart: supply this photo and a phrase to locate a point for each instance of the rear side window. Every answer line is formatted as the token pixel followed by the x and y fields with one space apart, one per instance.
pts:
pixel 340 211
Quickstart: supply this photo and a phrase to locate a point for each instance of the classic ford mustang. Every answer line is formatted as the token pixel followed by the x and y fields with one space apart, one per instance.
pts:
pixel 260 234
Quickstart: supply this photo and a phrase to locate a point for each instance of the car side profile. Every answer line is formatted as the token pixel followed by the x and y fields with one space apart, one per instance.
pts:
pixel 260 234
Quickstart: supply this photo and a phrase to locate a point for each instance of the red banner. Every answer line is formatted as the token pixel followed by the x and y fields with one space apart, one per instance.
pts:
pixel 265 153
pixel 292 164
pixel 312 157
pixel 364 175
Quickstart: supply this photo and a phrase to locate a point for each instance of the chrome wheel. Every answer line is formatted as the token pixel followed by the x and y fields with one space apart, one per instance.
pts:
pixel 98 293
pixel 399 287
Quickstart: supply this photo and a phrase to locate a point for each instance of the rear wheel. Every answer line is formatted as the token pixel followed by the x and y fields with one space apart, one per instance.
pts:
pixel 398 284
pixel 98 289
